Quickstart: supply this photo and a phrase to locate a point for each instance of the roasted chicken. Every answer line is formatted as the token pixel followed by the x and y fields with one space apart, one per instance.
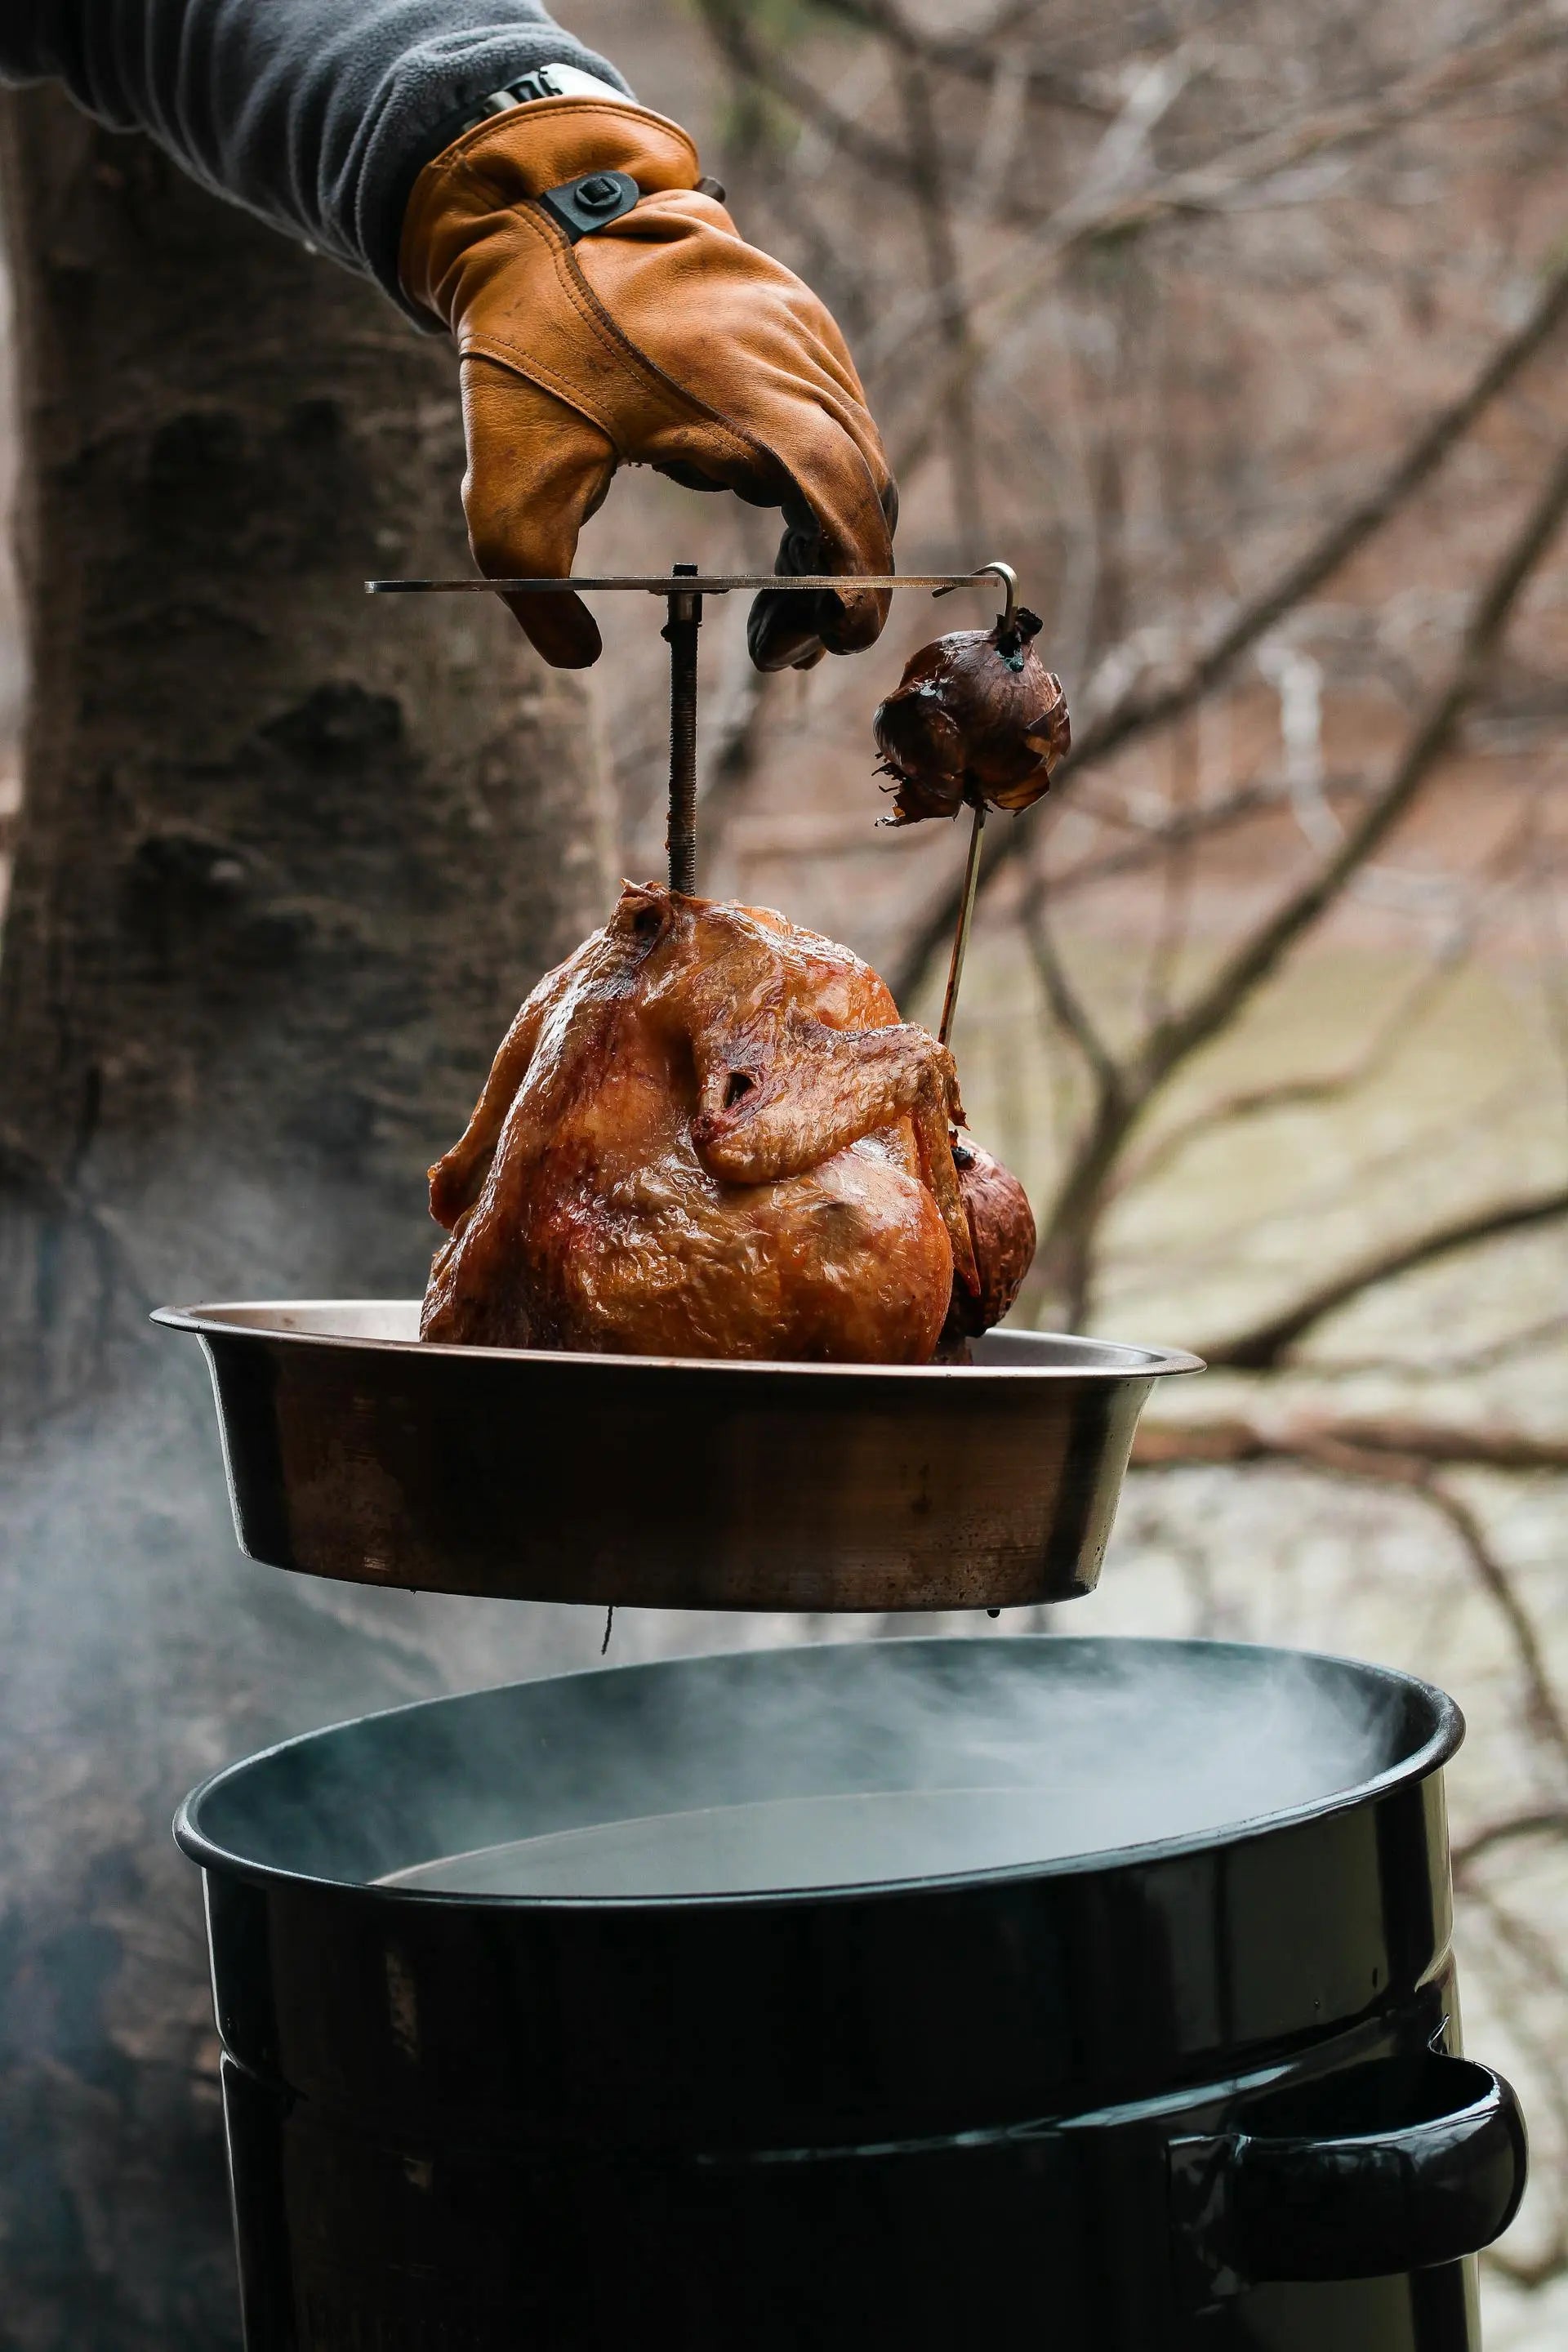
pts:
pixel 1002 1233
pixel 708 1133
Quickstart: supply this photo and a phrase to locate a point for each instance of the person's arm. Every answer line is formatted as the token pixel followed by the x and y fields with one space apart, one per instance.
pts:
pixel 605 307
pixel 318 114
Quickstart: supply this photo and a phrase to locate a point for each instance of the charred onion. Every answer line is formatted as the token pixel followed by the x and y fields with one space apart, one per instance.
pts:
pixel 976 717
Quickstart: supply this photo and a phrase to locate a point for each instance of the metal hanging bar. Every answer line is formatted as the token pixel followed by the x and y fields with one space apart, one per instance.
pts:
pixel 685 609
pixel 706 583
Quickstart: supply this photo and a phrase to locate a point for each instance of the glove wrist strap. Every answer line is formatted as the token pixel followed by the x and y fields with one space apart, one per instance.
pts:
pixel 580 206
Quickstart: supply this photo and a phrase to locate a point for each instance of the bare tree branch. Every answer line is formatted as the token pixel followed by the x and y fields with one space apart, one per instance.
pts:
pixel 1260 1348
pixel 1331 1440
pixel 973 54
pixel 1258 957
pixel 1537 1963
pixel 1462 1364
pixel 1176 879
pixel 1107 206
pixel 1141 710
pixel 1070 1013
pixel 1329 1449
pixel 1529 2273
pixel 927 174
pixel 1152 844
pixel 1291 1094
pixel 1062 1267
pixel 734 37
pixel 1549 1822
pixel 1118 165
pixel 1545 1713
pixel 1068 1225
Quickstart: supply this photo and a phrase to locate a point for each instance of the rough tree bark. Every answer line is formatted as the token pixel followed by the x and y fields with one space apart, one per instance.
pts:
pixel 288 859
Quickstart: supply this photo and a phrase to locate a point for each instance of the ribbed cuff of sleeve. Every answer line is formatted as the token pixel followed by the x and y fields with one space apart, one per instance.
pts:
pixel 422 114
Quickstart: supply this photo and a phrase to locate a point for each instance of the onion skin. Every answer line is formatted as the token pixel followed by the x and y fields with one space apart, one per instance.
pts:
pixel 976 717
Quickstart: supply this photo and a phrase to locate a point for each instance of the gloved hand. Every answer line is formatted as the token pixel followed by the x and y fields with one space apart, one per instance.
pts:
pixel 663 339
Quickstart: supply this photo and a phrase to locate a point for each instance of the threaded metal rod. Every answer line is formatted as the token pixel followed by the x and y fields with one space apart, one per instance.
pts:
pixel 679 633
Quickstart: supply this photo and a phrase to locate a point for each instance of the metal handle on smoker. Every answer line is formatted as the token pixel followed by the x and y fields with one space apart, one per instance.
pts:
pixel 1250 2207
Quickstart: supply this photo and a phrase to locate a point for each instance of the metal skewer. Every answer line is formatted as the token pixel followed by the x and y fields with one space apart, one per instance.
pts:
pixel 1009 579
pixel 966 917
pixel 679 633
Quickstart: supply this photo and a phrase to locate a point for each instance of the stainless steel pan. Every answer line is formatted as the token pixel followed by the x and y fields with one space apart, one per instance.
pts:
pixel 354 1451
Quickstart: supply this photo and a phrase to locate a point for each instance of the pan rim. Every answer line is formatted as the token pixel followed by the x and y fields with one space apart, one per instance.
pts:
pixel 219 1318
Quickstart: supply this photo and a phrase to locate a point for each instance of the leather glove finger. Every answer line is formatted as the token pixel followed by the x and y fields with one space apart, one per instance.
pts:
pixel 745 378
pixel 537 471
pixel 787 631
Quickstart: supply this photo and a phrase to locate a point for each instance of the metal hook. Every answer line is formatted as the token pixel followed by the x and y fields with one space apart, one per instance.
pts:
pixel 1009 579
pixel 1008 576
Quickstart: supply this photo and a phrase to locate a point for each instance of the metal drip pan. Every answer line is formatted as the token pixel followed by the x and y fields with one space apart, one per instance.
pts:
pixel 354 1451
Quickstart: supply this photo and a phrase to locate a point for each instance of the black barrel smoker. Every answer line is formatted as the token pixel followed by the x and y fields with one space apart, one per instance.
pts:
pixel 1093 1994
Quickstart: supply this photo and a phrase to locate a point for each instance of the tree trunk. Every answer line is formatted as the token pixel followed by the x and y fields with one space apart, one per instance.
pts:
pixel 288 859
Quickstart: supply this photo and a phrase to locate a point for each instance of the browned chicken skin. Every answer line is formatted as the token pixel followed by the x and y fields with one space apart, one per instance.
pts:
pixel 1002 1228
pixel 707 1133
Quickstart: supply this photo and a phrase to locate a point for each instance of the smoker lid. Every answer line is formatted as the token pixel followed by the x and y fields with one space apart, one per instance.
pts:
pixel 822 1771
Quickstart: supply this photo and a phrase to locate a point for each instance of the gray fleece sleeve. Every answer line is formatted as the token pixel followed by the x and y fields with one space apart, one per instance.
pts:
pixel 317 114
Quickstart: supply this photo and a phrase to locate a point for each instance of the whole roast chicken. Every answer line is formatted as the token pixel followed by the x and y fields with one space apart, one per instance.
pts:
pixel 708 1133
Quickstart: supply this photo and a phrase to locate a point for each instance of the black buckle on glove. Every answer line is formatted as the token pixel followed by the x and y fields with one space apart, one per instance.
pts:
pixel 580 206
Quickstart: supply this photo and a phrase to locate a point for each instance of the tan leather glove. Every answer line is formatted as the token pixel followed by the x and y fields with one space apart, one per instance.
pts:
pixel 661 339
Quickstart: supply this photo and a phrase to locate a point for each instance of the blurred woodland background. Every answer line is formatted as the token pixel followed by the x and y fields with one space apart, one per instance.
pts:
pixel 1241 330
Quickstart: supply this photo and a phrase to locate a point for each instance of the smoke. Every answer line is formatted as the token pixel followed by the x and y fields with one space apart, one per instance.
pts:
pixel 877 1762
pixel 139 1652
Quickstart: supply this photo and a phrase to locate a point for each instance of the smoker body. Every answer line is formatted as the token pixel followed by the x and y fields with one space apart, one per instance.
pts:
pixel 1205 2094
